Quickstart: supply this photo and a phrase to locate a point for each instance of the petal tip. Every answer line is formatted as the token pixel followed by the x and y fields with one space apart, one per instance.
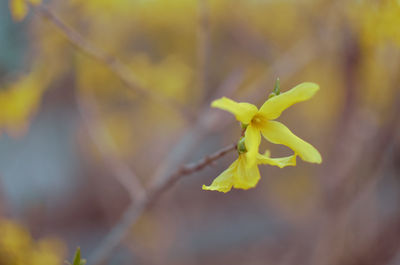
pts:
pixel 245 186
pixel 316 159
pixel 214 104
pixel 204 187
pixel 220 189
pixel 313 87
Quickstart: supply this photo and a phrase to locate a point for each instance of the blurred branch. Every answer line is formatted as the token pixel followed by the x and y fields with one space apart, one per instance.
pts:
pixel 370 147
pixel 117 67
pixel 163 178
pixel 106 147
pixel 129 218
pixel 190 137
pixel 206 121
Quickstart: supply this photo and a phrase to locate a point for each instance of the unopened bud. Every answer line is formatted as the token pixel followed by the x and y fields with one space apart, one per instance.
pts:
pixel 241 147
pixel 277 89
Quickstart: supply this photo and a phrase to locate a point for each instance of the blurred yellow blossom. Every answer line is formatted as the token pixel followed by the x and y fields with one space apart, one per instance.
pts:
pixel 170 76
pixel 18 248
pixel 378 21
pixel 19 8
pixel 20 99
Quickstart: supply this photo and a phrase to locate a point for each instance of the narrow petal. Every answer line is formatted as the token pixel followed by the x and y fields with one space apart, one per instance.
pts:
pixel 280 162
pixel 245 177
pixel 277 133
pixel 274 106
pixel 243 112
pixel 225 180
pixel 19 9
pixel 252 140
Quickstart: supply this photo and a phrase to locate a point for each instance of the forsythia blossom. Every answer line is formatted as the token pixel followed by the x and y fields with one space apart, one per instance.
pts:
pixel 243 173
pixel 240 176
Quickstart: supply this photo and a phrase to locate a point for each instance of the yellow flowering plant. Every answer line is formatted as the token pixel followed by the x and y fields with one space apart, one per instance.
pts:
pixel 243 173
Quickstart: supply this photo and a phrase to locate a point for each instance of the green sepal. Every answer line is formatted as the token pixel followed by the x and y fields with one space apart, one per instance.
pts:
pixel 77 258
pixel 241 147
pixel 277 89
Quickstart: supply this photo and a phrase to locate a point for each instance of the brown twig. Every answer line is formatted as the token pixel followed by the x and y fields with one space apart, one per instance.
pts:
pixel 163 177
pixel 116 66
pixel 120 230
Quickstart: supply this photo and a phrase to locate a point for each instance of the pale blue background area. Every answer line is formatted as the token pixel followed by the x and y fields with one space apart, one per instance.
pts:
pixel 39 168
pixel 12 40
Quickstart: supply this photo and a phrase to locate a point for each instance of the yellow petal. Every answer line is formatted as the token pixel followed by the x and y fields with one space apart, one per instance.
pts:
pixel 274 106
pixel 243 112
pixel 19 9
pixel 277 133
pixel 246 177
pixel 224 181
pixel 279 162
pixel 252 139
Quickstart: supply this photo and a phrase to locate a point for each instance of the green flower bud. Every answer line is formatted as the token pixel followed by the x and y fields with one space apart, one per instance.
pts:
pixel 277 89
pixel 241 147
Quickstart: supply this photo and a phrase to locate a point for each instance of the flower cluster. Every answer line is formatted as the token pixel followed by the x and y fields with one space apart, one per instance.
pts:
pixel 244 173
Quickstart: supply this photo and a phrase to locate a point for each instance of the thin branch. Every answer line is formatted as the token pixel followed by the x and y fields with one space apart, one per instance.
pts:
pixel 129 218
pixel 106 147
pixel 191 136
pixel 116 66
pixel 163 177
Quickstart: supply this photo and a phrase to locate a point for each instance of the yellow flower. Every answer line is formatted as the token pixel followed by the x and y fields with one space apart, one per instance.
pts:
pixel 19 8
pixel 261 121
pixel 240 176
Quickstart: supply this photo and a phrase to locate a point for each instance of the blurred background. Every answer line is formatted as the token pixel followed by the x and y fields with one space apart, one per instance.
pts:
pixel 121 96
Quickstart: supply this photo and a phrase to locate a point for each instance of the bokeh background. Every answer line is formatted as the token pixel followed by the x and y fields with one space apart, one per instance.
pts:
pixel 74 135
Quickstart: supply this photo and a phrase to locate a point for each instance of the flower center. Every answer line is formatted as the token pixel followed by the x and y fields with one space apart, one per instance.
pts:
pixel 258 120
